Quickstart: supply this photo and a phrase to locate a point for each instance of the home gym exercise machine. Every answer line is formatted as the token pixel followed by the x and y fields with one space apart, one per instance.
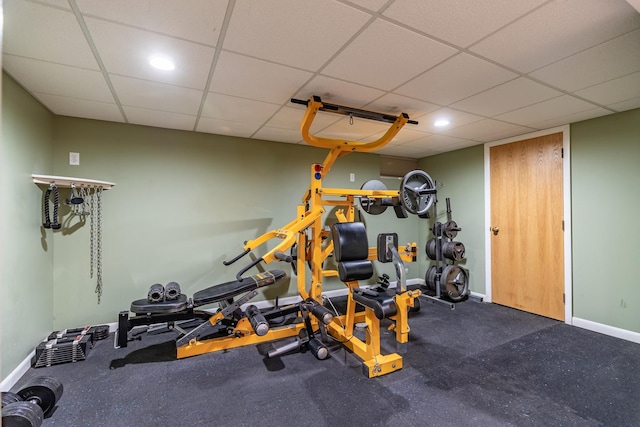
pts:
pixel 308 323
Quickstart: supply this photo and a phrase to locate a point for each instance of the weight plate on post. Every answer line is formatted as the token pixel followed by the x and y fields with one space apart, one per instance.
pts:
pixel 430 277
pixel 450 229
pixel 22 414
pixel 413 195
pixel 9 397
pixel 454 282
pixel 453 250
pixel 431 248
pixel 372 205
pixel 44 391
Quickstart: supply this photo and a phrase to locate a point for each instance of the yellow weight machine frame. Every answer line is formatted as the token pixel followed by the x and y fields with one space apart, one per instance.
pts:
pixel 310 236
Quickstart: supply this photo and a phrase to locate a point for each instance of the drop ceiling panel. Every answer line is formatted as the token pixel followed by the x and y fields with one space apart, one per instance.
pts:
pixel 295 33
pixel 486 129
pixel 56 79
pixel 226 127
pixel 160 119
pixel 613 91
pixel 372 59
pixel 74 107
pixel 372 5
pixel 336 91
pixel 455 117
pixel 460 22
pixel 566 119
pixel 395 104
pixel 455 79
pixel 58 38
pixel 278 134
pixel 506 97
pixel 625 105
pixel 290 118
pixel 156 96
pixel 606 61
pixel 557 30
pixel 224 107
pixel 407 134
pixel 546 110
pixel 245 77
pixel 198 20
pixel 122 56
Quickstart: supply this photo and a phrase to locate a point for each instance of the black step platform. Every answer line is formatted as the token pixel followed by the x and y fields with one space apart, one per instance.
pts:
pixel 143 306
pixel 224 291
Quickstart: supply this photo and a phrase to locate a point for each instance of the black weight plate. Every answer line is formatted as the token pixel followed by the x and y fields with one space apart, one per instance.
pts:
pixel 430 277
pixel 454 282
pixel 101 332
pixel 45 391
pixel 431 248
pixel 22 414
pixel 450 229
pixel 453 251
pixel 369 204
pixel 410 197
pixel 9 397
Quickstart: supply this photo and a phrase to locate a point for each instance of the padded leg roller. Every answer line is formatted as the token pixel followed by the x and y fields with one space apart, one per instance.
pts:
pixel 257 320
pixel 156 293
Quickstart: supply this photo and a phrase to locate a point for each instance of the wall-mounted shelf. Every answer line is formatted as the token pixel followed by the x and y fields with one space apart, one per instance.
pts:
pixel 66 181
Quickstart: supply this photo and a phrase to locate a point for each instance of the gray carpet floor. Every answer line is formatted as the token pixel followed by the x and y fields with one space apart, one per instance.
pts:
pixel 478 365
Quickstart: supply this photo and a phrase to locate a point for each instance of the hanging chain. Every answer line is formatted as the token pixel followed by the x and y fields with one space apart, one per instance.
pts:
pixel 92 231
pixel 99 245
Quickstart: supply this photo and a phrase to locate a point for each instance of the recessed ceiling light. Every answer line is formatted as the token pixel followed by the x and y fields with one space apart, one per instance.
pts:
pixel 162 63
pixel 442 122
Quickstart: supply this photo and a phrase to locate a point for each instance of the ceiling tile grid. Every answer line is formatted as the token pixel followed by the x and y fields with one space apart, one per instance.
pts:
pixel 492 69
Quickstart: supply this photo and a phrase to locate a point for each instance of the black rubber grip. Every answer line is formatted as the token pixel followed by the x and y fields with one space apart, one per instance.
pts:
pixel 281 256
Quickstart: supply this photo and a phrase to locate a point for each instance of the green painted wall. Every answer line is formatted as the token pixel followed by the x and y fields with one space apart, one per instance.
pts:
pixel 460 176
pixel 26 276
pixel 605 173
pixel 183 203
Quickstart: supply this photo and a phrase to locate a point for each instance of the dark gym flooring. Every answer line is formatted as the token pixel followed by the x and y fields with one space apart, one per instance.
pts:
pixel 478 365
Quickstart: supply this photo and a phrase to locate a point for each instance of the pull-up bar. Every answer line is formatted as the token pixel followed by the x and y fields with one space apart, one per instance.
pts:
pixel 353 112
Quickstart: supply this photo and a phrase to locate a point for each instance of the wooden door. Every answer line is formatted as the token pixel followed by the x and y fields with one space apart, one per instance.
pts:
pixel 527 238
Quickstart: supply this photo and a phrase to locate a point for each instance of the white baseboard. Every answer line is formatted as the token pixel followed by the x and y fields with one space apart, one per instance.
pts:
pixel 17 373
pixel 606 329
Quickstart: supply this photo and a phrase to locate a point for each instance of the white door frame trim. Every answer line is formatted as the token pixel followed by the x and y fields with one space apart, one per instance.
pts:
pixel 566 184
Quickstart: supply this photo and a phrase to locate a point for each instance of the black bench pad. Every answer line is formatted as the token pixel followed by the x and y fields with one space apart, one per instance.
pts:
pixel 229 290
pixel 143 306
pixel 381 301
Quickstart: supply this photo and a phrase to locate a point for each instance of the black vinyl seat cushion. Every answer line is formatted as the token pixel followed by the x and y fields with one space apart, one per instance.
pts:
pixel 351 251
pixel 227 290
pixel 382 302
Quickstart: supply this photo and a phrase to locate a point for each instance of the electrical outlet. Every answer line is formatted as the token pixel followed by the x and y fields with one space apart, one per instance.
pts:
pixel 352 177
pixel 74 159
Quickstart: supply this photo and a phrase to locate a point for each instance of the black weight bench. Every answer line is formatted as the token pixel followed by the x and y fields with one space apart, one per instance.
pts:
pixel 216 293
pixel 182 308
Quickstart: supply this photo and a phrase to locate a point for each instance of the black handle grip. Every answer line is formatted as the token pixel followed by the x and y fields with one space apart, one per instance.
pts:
pixel 239 277
pixel 236 258
pixel 281 256
pixel 299 101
